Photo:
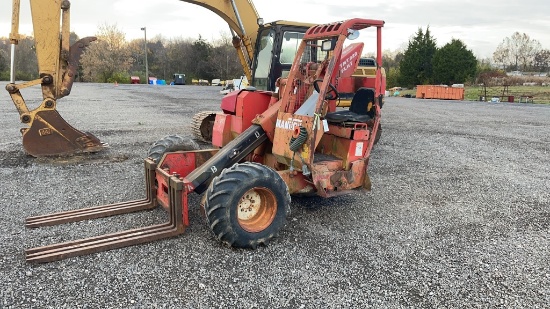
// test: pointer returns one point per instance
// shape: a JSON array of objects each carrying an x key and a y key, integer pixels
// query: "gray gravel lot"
[{"x": 458, "y": 216}]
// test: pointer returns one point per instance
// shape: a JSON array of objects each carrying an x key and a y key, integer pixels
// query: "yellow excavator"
[
  {"x": 266, "y": 52},
  {"x": 48, "y": 134}
]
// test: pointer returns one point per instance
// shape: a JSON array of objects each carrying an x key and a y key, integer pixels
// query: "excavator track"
[
  {"x": 175, "y": 226},
  {"x": 202, "y": 125}
]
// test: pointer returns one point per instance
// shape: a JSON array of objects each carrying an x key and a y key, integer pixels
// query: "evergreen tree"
[
  {"x": 454, "y": 64},
  {"x": 416, "y": 66}
]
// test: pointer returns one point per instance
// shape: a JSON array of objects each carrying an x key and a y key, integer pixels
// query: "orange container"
[{"x": 439, "y": 92}]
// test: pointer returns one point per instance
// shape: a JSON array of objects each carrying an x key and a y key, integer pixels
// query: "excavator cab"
[{"x": 276, "y": 46}]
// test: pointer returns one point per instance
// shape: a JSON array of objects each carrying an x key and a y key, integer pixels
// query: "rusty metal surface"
[
  {"x": 331, "y": 180},
  {"x": 89, "y": 213},
  {"x": 296, "y": 182},
  {"x": 175, "y": 226},
  {"x": 180, "y": 163},
  {"x": 50, "y": 135},
  {"x": 73, "y": 62},
  {"x": 101, "y": 211}
]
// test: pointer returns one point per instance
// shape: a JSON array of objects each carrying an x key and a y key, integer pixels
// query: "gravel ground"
[{"x": 458, "y": 216}]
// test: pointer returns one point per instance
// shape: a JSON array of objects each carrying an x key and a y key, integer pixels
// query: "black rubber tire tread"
[
  {"x": 197, "y": 125},
  {"x": 378, "y": 134},
  {"x": 226, "y": 190},
  {"x": 171, "y": 143}
]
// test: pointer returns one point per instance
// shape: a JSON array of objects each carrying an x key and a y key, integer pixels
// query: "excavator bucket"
[
  {"x": 174, "y": 226},
  {"x": 50, "y": 135}
]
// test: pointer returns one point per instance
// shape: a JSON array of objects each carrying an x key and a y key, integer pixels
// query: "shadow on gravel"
[
  {"x": 21, "y": 159},
  {"x": 112, "y": 132},
  {"x": 316, "y": 203},
  {"x": 15, "y": 159},
  {"x": 87, "y": 158}
]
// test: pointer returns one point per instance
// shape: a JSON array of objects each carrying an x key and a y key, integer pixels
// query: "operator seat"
[{"x": 358, "y": 110}]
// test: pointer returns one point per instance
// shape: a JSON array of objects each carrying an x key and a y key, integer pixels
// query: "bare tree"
[
  {"x": 501, "y": 56},
  {"x": 224, "y": 39},
  {"x": 517, "y": 51},
  {"x": 224, "y": 58},
  {"x": 135, "y": 47},
  {"x": 157, "y": 58},
  {"x": 178, "y": 52},
  {"x": 26, "y": 63},
  {"x": 109, "y": 58}
]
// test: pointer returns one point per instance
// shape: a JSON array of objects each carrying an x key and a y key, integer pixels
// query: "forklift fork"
[{"x": 175, "y": 226}]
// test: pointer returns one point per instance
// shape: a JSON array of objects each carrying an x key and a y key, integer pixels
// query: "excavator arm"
[
  {"x": 48, "y": 133},
  {"x": 242, "y": 18}
]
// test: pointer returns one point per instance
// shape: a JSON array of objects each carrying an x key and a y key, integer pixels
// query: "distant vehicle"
[
  {"x": 179, "y": 79},
  {"x": 235, "y": 84},
  {"x": 367, "y": 62},
  {"x": 200, "y": 82}
]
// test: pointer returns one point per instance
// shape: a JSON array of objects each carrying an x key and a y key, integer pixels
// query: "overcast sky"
[{"x": 480, "y": 24}]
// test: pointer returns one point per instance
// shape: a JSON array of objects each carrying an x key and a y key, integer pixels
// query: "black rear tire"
[
  {"x": 247, "y": 205},
  {"x": 171, "y": 143},
  {"x": 378, "y": 134}
]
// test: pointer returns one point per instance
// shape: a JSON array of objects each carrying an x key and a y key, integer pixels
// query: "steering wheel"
[{"x": 332, "y": 93}]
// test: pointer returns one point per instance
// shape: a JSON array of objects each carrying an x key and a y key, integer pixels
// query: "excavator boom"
[{"x": 242, "y": 18}]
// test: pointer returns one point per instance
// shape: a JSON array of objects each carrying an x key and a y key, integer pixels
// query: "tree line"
[
  {"x": 424, "y": 63},
  {"x": 112, "y": 58}
]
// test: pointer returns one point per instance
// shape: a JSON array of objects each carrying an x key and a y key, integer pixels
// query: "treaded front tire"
[
  {"x": 247, "y": 205},
  {"x": 171, "y": 143}
]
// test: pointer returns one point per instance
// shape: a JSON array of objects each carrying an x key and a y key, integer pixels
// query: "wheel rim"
[{"x": 256, "y": 209}]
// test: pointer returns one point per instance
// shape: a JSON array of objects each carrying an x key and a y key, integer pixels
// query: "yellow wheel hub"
[{"x": 256, "y": 209}]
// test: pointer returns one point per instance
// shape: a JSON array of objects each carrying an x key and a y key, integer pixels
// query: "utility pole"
[{"x": 146, "y": 63}]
